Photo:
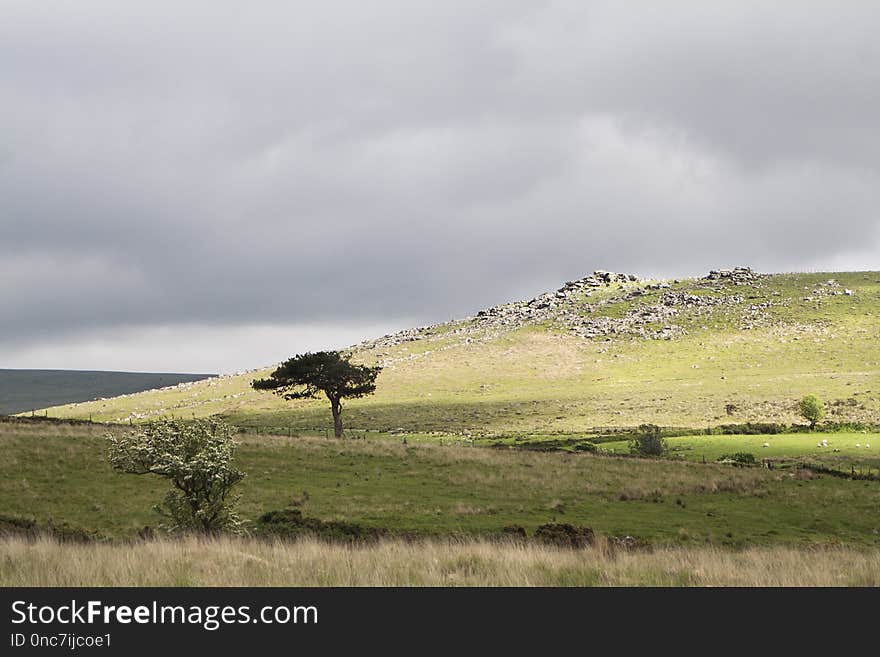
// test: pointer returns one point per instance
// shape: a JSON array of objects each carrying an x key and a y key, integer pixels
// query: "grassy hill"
[
  {"x": 604, "y": 351},
  {"x": 25, "y": 390}
]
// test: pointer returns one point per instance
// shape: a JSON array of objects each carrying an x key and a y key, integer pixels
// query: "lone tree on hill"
[
  {"x": 812, "y": 410},
  {"x": 307, "y": 375}
]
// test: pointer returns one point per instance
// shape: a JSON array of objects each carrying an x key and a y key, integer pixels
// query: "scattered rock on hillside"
[
  {"x": 737, "y": 275},
  {"x": 511, "y": 316},
  {"x": 829, "y": 288},
  {"x": 394, "y": 339},
  {"x": 648, "y": 321},
  {"x": 569, "y": 307},
  {"x": 540, "y": 308}
]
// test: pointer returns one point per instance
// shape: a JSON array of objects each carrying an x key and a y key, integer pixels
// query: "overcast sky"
[{"x": 213, "y": 186}]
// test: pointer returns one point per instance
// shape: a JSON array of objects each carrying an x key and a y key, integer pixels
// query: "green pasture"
[
  {"x": 856, "y": 447},
  {"x": 60, "y": 474}
]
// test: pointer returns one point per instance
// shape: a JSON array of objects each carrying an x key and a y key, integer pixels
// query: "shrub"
[
  {"x": 29, "y": 528},
  {"x": 812, "y": 409},
  {"x": 851, "y": 426},
  {"x": 743, "y": 458},
  {"x": 196, "y": 458},
  {"x": 291, "y": 523},
  {"x": 514, "y": 532},
  {"x": 750, "y": 428},
  {"x": 648, "y": 441},
  {"x": 565, "y": 535}
]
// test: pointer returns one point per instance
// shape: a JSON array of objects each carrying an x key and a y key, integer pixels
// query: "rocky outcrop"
[
  {"x": 394, "y": 339},
  {"x": 571, "y": 307},
  {"x": 541, "y": 307},
  {"x": 644, "y": 320},
  {"x": 737, "y": 276}
]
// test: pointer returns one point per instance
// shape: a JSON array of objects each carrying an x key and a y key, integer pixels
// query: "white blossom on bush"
[{"x": 195, "y": 457}]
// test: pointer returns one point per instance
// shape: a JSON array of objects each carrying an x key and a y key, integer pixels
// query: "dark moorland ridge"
[{"x": 23, "y": 390}]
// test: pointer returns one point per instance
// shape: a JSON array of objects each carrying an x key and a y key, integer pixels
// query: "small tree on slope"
[
  {"x": 307, "y": 375},
  {"x": 812, "y": 410},
  {"x": 648, "y": 441}
]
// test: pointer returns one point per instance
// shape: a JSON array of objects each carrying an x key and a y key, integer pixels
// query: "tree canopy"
[
  {"x": 329, "y": 372},
  {"x": 812, "y": 409}
]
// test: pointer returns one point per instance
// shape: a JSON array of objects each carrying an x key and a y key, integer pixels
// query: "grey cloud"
[
  {"x": 763, "y": 82},
  {"x": 338, "y": 161}
]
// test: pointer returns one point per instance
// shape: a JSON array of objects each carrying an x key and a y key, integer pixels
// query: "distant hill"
[
  {"x": 24, "y": 390},
  {"x": 607, "y": 350}
]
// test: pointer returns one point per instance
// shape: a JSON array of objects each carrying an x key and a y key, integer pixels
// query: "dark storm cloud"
[{"x": 207, "y": 162}]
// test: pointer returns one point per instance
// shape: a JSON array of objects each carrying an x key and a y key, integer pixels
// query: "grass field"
[
  {"x": 850, "y": 448},
  {"x": 241, "y": 562},
  {"x": 59, "y": 473}
]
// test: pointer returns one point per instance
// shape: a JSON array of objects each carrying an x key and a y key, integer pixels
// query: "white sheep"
[
  {"x": 858, "y": 444},
  {"x": 766, "y": 445}
]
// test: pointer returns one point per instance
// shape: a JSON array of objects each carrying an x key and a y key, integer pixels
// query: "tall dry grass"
[{"x": 245, "y": 562}]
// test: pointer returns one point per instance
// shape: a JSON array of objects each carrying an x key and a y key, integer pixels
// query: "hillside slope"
[
  {"x": 606, "y": 350},
  {"x": 24, "y": 390}
]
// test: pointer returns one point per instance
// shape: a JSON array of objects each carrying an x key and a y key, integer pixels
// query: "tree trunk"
[{"x": 336, "y": 408}]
